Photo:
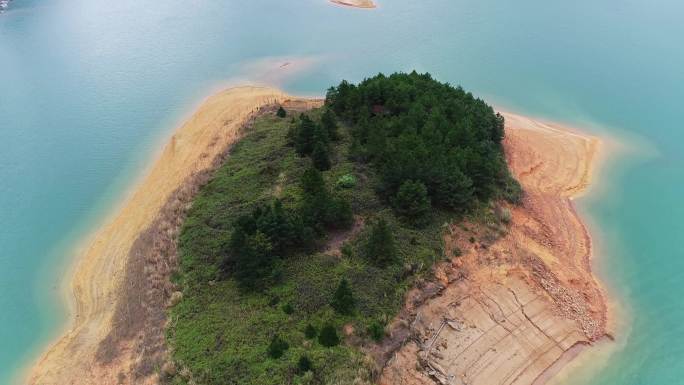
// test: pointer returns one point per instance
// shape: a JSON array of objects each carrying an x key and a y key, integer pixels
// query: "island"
[
  {"x": 398, "y": 231},
  {"x": 355, "y": 3}
]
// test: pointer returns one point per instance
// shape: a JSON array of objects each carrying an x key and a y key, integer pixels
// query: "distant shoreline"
[{"x": 355, "y": 3}]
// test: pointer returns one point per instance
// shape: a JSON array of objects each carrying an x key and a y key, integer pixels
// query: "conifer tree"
[
  {"x": 304, "y": 364},
  {"x": 381, "y": 247},
  {"x": 310, "y": 332},
  {"x": 304, "y": 138},
  {"x": 412, "y": 202},
  {"x": 277, "y": 347},
  {"x": 320, "y": 156},
  {"x": 329, "y": 122},
  {"x": 328, "y": 336},
  {"x": 343, "y": 301}
]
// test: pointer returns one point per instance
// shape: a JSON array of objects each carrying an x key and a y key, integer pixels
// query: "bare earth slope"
[
  {"x": 103, "y": 344},
  {"x": 512, "y": 310}
]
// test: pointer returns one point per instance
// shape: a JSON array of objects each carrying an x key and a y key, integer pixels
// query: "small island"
[
  {"x": 398, "y": 231},
  {"x": 319, "y": 224},
  {"x": 355, "y": 3}
]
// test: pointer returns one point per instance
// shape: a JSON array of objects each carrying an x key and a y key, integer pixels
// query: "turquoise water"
[{"x": 89, "y": 88}]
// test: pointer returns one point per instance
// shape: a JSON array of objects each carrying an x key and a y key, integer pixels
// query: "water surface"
[{"x": 90, "y": 88}]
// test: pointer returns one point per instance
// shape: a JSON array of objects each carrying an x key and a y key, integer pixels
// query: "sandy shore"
[
  {"x": 77, "y": 357},
  {"x": 355, "y": 3},
  {"x": 520, "y": 302}
]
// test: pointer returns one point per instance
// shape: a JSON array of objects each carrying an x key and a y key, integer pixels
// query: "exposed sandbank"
[
  {"x": 98, "y": 279},
  {"x": 355, "y": 3},
  {"x": 513, "y": 308}
]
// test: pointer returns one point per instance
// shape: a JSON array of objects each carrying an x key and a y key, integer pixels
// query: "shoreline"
[
  {"x": 79, "y": 349},
  {"x": 95, "y": 275}
]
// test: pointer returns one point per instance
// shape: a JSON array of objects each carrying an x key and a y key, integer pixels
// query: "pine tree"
[
  {"x": 305, "y": 133},
  {"x": 339, "y": 213},
  {"x": 304, "y": 365},
  {"x": 381, "y": 247},
  {"x": 376, "y": 331},
  {"x": 412, "y": 202},
  {"x": 277, "y": 347},
  {"x": 310, "y": 332},
  {"x": 320, "y": 156},
  {"x": 253, "y": 259},
  {"x": 312, "y": 183},
  {"x": 329, "y": 122},
  {"x": 328, "y": 336},
  {"x": 343, "y": 301},
  {"x": 281, "y": 112},
  {"x": 455, "y": 191}
]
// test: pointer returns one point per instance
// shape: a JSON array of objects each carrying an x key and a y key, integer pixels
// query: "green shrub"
[
  {"x": 346, "y": 181},
  {"x": 277, "y": 347},
  {"x": 281, "y": 112},
  {"x": 347, "y": 250},
  {"x": 288, "y": 309},
  {"x": 310, "y": 332},
  {"x": 306, "y": 379},
  {"x": 455, "y": 190},
  {"x": 506, "y": 216},
  {"x": 411, "y": 202},
  {"x": 343, "y": 301},
  {"x": 329, "y": 123},
  {"x": 381, "y": 247},
  {"x": 512, "y": 191},
  {"x": 319, "y": 208},
  {"x": 320, "y": 156},
  {"x": 304, "y": 365},
  {"x": 328, "y": 336},
  {"x": 376, "y": 330}
]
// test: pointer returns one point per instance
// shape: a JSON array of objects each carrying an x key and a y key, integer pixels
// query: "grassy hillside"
[{"x": 226, "y": 332}]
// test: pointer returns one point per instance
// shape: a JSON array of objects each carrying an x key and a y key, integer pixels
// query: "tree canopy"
[
  {"x": 412, "y": 201},
  {"x": 381, "y": 247},
  {"x": 412, "y": 127},
  {"x": 343, "y": 301}
]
